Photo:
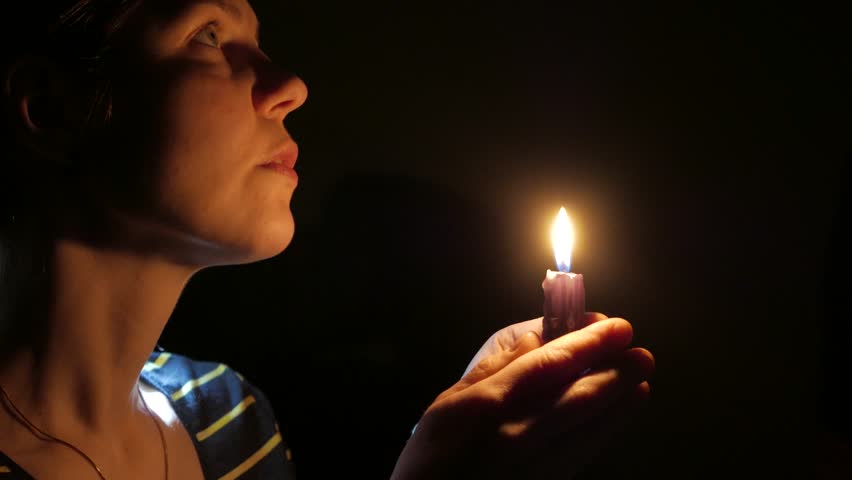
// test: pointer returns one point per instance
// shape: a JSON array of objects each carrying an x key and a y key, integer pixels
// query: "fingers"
[
  {"x": 594, "y": 393},
  {"x": 515, "y": 330},
  {"x": 507, "y": 337},
  {"x": 565, "y": 457},
  {"x": 523, "y": 344},
  {"x": 504, "y": 339},
  {"x": 613, "y": 421},
  {"x": 562, "y": 359},
  {"x": 583, "y": 402},
  {"x": 495, "y": 362}
]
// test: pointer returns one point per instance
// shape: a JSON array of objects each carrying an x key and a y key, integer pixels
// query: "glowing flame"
[{"x": 562, "y": 236}]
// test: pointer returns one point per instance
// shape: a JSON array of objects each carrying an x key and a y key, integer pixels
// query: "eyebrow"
[{"x": 231, "y": 10}]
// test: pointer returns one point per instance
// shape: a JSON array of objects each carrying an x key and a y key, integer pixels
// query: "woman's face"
[{"x": 198, "y": 110}]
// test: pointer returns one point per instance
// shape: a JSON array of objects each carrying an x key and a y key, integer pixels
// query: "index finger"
[
  {"x": 594, "y": 317},
  {"x": 507, "y": 337},
  {"x": 563, "y": 359}
]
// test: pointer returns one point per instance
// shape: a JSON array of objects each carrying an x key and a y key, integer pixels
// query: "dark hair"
[{"x": 79, "y": 37}]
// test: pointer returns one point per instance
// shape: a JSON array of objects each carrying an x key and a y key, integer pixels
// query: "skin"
[
  {"x": 530, "y": 410},
  {"x": 175, "y": 186},
  {"x": 188, "y": 194}
]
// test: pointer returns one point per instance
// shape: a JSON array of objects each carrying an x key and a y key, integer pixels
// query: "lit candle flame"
[{"x": 562, "y": 236}]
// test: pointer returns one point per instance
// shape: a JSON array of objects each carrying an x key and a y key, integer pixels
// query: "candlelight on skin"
[{"x": 564, "y": 292}]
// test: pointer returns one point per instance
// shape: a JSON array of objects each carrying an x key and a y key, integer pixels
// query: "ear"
[{"x": 37, "y": 94}]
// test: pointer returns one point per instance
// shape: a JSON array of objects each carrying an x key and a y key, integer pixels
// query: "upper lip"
[{"x": 285, "y": 154}]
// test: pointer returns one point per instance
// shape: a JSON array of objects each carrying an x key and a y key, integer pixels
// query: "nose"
[{"x": 277, "y": 92}]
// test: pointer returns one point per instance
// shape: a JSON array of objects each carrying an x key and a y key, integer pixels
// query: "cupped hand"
[{"x": 527, "y": 410}]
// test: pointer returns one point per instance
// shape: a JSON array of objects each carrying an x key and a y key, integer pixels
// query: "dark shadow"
[
  {"x": 835, "y": 416},
  {"x": 364, "y": 319}
]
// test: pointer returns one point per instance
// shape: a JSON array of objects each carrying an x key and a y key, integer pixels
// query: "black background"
[{"x": 701, "y": 149}]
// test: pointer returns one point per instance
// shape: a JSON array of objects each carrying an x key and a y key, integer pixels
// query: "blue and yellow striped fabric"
[{"x": 231, "y": 422}]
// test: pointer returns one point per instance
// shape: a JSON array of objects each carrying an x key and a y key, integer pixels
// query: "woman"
[{"x": 148, "y": 143}]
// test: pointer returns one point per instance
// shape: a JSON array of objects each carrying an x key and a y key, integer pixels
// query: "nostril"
[{"x": 279, "y": 93}]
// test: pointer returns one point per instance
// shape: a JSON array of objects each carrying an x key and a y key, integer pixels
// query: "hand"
[{"x": 526, "y": 410}]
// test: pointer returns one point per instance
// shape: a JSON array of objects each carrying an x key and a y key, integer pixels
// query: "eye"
[{"x": 209, "y": 35}]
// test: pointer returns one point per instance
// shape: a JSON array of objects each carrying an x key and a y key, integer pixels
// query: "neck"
[{"x": 104, "y": 312}]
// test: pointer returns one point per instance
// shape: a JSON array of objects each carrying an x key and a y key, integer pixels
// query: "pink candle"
[{"x": 564, "y": 292}]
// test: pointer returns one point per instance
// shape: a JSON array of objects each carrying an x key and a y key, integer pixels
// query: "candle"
[{"x": 564, "y": 293}]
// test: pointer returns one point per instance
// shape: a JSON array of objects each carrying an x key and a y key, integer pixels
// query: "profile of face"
[{"x": 197, "y": 117}]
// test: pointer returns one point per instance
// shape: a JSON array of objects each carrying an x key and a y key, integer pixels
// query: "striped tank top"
[{"x": 231, "y": 422}]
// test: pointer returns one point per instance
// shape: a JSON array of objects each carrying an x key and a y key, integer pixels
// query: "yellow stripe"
[
  {"x": 5, "y": 470},
  {"x": 218, "y": 424},
  {"x": 253, "y": 459},
  {"x": 192, "y": 384},
  {"x": 159, "y": 362}
]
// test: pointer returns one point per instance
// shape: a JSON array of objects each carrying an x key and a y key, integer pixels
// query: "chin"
[
  {"x": 271, "y": 242},
  {"x": 253, "y": 240}
]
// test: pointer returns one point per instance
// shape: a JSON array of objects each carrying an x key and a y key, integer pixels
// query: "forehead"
[{"x": 240, "y": 10}]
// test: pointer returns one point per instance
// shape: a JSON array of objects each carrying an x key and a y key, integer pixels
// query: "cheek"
[
  {"x": 210, "y": 132},
  {"x": 200, "y": 147},
  {"x": 207, "y": 167},
  {"x": 176, "y": 125}
]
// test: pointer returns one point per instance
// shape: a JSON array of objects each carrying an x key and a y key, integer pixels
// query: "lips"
[
  {"x": 282, "y": 169},
  {"x": 284, "y": 156}
]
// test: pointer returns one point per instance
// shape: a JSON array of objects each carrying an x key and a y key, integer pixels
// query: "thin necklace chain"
[{"x": 42, "y": 435}]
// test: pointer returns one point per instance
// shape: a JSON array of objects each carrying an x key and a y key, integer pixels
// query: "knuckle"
[
  {"x": 550, "y": 357},
  {"x": 597, "y": 338},
  {"x": 591, "y": 388},
  {"x": 494, "y": 398},
  {"x": 553, "y": 358},
  {"x": 511, "y": 432},
  {"x": 484, "y": 367},
  {"x": 487, "y": 399},
  {"x": 583, "y": 392}
]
